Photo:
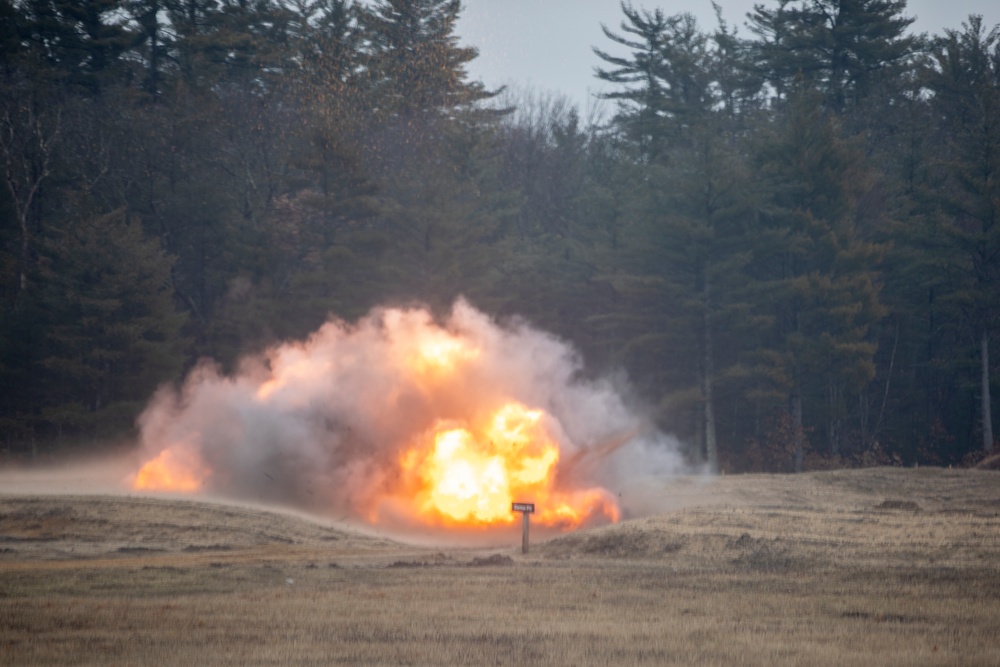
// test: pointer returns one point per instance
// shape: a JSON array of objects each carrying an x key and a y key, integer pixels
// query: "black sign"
[{"x": 527, "y": 508}]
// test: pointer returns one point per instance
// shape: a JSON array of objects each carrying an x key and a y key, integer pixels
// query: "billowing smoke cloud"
[{"x": 340, "y": 422}]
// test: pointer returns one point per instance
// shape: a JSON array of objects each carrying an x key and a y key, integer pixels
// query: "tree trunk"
[
  {"x": 711, "y": 446},
  {"x": 25, "y": 252},
  {"x": 984, "y": 360},
  {"x": 796, "y": 401},
  {"x": 27, "y": 147},
  {"x": 833, "y": 425}
]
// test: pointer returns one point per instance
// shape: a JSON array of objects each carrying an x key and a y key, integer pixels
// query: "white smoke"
[{"x": 322, "y": 424}]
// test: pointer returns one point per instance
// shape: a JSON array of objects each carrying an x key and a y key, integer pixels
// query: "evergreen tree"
[
  {"x": 839, "y": 47},
  {"x": 416, "y": 67},
  {"x": 154, "y": 42},
  {"x": 97, "y": 40},
  {"x": 815, "y": 273},
  {"x": 677, "y": 269},
  {"x": 431, "y": 152},
  {"x": 966, "y": 222},
  {"x": 112, "y": 332},
  {"x": 642, "y": 93}
]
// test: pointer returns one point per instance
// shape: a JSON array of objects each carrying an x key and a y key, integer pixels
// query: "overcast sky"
[{"x": 546, "y": 45}]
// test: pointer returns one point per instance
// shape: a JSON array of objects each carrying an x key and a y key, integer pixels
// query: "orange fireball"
[
  {"x": 461, "y": 476},
  {"x": 402, "y": 420},
  {"x": 177, "y": 469}
]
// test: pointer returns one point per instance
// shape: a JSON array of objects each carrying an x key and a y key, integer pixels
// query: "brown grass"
[{"x": 883, "y": 566}]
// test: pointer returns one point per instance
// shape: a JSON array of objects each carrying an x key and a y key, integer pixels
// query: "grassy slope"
[{"x": 882, "y": 566}]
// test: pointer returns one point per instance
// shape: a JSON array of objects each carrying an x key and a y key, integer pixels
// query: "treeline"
[{"x": 789, "y": 239}]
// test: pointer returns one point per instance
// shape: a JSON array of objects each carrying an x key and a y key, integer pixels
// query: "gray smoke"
[{"x": 322, "y": 424}]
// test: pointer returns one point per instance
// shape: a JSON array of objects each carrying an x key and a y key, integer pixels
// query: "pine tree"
[
  {"x": 966, "y": 223},
  {"x": 839, "y": 47},
  {"x": 154, "y": 42},
  {"x": 814, "y": 272},
  {"x": 416, "y": 67},
  {"x": 112, "y": 333},
  {"x": 94, "y": 55},
  {"x": 430, "y": 151},
  {"x": 676, "y": 269},
  {"x": 641, "y": 93}
]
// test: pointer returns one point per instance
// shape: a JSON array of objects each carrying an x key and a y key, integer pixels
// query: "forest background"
[{"x": 789, "y": 242}]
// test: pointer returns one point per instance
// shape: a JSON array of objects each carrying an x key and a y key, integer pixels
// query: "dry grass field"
[{"x": 865, "y": 567}]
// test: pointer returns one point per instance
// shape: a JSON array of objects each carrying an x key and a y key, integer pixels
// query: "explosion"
[
  {"x": 400, "y": 421},
  {"x": 471, "y": 477},
  {"x": 176, "y": 468}
]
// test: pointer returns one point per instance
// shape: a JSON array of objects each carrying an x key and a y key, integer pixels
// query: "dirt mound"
[
  {"x": 760, "y": 554},
  {"x": 57, "y": 527},
  {"x": 906, "y": 505},
  {"x": 630, "y": 540},
  {"x": 756, "y": 522},
  {"x": 783, "y": 523},
  {"x": 989, "y": 463},
  {"x": 489, "y": 561}
]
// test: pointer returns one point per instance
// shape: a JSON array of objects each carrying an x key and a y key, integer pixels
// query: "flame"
[
  {"x": 470, "y": 477},
  {"x": 396, "y": 419},
  {"x": 430, "y": 354},
  {"x": 176, "y": 469}
]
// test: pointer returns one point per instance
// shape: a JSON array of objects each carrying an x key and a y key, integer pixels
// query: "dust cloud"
[{"x": 343, "y": 423}]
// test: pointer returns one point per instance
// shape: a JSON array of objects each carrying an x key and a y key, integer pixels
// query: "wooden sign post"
[{"x": 525, "y": 509}]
